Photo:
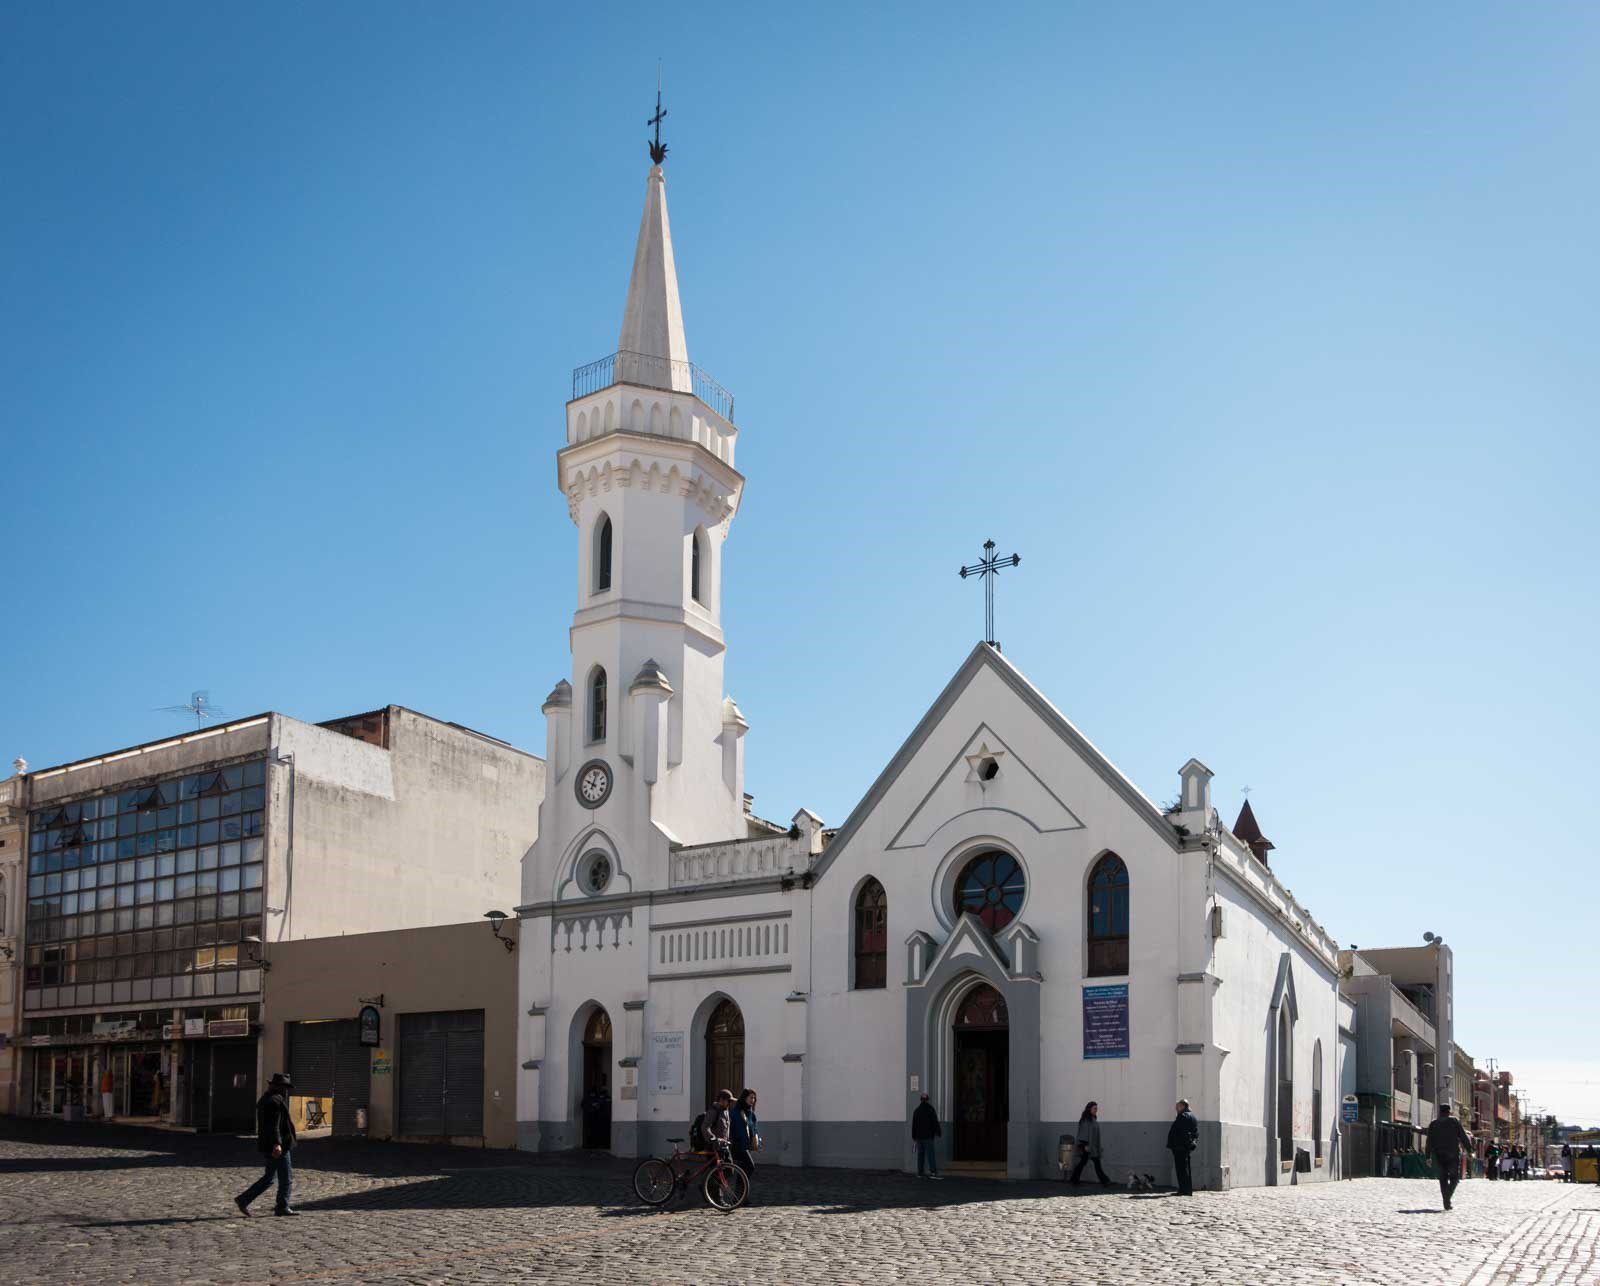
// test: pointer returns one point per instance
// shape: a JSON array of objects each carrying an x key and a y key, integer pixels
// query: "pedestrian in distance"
[
  {"x": 742, "y": 1136},
  {"x": 275, "y": 1141},
  {"x": 1594, "y": 1160},
  {"x": 1566, "y": 1163},
  {"x": 924, "y": 1130},
  {"x": 1183, "y": 1136},
  {"x": 108, "y": 1084},
  {"x": 1089, "y": 1143},
  {"x": 1446, "y": 1141}
]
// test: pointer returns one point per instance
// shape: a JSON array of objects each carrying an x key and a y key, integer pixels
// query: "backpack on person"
[{"x": 697, "y": 1135}]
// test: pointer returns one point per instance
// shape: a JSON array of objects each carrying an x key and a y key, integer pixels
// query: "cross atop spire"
[{"x": 658, "y": 149}]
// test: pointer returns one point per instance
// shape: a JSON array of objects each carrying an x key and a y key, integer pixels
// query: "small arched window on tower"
[
  {"x": 597, "y": 705},
  {"x": 602, "y": 555},
  {"x": 872, "y": 937},
  {"x": 1108, "y": 917},
  {"x": 696, "y": 559}
]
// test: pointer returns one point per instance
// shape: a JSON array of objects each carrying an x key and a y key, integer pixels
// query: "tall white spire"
[{"x": 652, "y": 347}]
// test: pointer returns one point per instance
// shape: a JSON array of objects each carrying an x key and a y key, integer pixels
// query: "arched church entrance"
[
  {"x": 596, "y": 1102},
  {"x": 724, "y": 1050},
  {"x": 981, "y": 1105}
]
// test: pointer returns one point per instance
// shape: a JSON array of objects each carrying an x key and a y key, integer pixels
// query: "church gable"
[
  {"x": 1002, "y": 779},
  {"x": 990, "y": 743}
]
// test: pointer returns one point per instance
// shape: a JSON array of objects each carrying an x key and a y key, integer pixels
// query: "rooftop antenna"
[{"x": 199, "y": 705}]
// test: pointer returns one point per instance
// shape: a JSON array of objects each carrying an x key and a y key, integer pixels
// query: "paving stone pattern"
[{"x": 83, "y": 1203}]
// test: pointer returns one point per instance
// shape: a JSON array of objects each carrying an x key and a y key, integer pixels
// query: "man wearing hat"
[{"x": 275, "y": 1139}]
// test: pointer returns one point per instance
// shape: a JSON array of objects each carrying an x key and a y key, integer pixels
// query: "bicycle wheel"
[
  {"x": 653, "y": 1181},
  {"x": 726, "y": 1187}
]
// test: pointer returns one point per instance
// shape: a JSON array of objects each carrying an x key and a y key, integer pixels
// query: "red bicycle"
[{"x": 658, "y": 1179}]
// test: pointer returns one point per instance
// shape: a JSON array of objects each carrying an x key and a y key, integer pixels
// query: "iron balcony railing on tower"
[{"x": 652, "y": 372}]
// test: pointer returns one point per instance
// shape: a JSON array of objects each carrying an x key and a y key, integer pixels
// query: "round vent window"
[{"x": 594, "y": 872}]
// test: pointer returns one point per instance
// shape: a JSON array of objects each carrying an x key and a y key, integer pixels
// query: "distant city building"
[
  {"x": 1405, "y": 1065},
  {"x": 13, "y": 905},
  {"x": 160, "y": 877}
]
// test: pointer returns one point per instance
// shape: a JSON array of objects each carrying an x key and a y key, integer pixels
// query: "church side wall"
[{"x": 1247, "y": 961}]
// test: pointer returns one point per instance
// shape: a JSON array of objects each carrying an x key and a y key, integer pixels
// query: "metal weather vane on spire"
[{"x": 658, "y": 149}]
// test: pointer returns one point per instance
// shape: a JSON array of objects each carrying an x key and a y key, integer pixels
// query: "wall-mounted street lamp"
[
  {"x": 258, "y": 952},
  {"x": 496, "y": 919}
]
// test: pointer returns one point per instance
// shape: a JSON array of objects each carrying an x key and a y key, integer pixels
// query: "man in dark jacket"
[
  {"x": 1183, "y": 1135},
  {"x": 924, "y": 1130},
  {"x": 274, "y": 1140},
  {"x": 1446, "y": 1139}
]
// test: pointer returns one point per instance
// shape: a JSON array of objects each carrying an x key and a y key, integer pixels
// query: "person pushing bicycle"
[{"x": 717, "y": 1126}]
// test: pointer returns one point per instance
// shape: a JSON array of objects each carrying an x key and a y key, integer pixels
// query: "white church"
[{"x": 1004, "y": 921}]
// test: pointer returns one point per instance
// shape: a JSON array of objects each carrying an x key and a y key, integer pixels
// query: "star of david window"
[{"x": 991, "y": 886}]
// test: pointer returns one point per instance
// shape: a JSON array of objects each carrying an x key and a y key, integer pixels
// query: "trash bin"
[
  {"x": 1302, "y": 1161},
  {"x": 361, "y": 1120},
  {"x": 1064, "y": 1152}
]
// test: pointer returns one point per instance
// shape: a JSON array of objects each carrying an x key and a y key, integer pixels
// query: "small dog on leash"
[{"x": 1142, "y": 1183}]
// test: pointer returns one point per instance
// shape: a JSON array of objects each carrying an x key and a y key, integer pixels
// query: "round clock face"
[{"x": 594, "y": 783}]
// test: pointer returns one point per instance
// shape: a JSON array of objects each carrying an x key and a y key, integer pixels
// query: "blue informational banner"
[
  {"x": 1350, "y": 1109},
  {"x": 1105, "y": 1021}
]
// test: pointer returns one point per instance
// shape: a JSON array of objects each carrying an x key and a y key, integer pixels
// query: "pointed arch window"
[
  {"x": 1108, "y": 917},
  {"x": 1316, "y": 1099},
  {"x": 872, "y": 937},
  {"x": 602, "y": 554},
  {"x": 696, "y": 577},
  {"x": 597, "y": 705},
  {"x": 1285, "y": 1086}
]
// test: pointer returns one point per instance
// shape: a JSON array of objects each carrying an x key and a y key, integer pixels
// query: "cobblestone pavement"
[{"x": 86, "y": 1204}]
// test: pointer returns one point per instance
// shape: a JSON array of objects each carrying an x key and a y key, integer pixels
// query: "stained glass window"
[{"x": 992, "y": 887}]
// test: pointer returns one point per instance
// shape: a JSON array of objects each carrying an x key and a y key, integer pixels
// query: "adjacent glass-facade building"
[{"x": 148, "y": 894}]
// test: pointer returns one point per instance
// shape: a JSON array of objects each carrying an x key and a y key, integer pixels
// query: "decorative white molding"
[
  {"x": 743, "y": 859},
  {"x": 594, "y": 931}
]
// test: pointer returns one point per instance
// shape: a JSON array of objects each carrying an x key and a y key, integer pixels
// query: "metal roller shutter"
[
  {"x": 463, "y": 1082},
  {"x": 421, "y": 1080},
  {"x": 311, "y": 1058},
  {"x": 352, "y": 1074},
  {"x": 441, "y": 1074}
]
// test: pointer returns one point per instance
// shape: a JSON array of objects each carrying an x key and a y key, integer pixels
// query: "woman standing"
[
  {"x": 742, "y": 1136},
  {"x": 1089, "y": 1143}
]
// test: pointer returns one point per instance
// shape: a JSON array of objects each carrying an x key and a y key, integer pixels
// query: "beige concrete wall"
[
  {"x": 432, "y": 830},
  {"x": 426, "y": 970}
]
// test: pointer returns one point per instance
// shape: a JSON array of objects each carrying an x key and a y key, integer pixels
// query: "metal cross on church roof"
[
  {"x": 658, "y": 149},
  {"x": 988, "y": 569}
]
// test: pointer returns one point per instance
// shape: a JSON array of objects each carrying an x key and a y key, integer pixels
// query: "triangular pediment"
[
  {"x": 970, "y": 940},
  {"x": 925, "y": 785},
  {"x": 963, "y": 787}
]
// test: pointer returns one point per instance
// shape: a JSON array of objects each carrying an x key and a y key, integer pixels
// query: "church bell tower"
[{"x": 644, "y": 727}]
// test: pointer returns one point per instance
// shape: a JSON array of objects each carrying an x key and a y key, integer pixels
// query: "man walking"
[
  {"x": 924, "y": 1130},
  {"x": 1446, "y": 1139},
  {"x": 1182, "y": 1137},
  {"x": 274, "y": 1140}
]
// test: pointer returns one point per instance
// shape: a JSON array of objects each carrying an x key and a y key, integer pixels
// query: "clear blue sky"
[{"x": 1268, "y": 336}]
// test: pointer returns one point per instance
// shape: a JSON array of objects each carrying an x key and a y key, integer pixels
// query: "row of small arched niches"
[{"x": 664, "y": 421}]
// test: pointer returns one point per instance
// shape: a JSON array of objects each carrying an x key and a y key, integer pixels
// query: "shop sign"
[
  {"x": 112, "y": 1028},
  {"x": 171, "y": 1031},
  {"x": 220, "y": 1027},
  {"x": 371, "y": 1024},
  {"x": 382, "y": 1062},
  {"x": 194, "y": 1027},
  {"x": 5, "y": 1039},
  {"x": 39, "y": 1040}
]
